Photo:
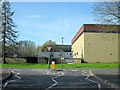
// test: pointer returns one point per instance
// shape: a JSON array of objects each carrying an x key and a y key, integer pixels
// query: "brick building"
[{"x": 96, "y": 43}]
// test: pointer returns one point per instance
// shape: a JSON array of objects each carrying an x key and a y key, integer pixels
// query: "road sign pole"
[
  {"x": 48, "y": 63},
  {"x": 49, "y": 49}
]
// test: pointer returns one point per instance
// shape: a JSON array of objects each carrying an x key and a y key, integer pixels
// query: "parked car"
[{"x": 69, "y": 61}]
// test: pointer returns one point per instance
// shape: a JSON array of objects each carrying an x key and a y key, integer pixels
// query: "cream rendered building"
[{"x": 96, "y": 43}]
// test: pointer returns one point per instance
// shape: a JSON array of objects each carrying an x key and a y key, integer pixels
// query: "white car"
[{"x": 69, "y": 61}]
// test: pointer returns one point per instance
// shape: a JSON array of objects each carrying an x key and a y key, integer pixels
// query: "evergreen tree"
[{"x": 9, "y": 35}]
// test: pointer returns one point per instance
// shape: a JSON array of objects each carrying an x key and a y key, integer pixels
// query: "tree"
[
  {"x": 27, "y": 49},
  {"x": 107, "y": 12},
  {"x": 47, "y": 43},
  {"x": 0, "y": 34},
  {"x": 0, "y": 49},
  {"x": 9, "y": 35}
]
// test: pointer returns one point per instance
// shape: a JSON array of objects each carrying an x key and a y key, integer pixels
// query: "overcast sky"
[{"x": 43, "y": 21}]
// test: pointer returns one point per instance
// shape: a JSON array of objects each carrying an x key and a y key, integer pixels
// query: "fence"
[{"x": 55, "y": 54}]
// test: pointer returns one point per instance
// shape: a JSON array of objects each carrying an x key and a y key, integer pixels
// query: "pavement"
[{"x": 74, "y": 79}]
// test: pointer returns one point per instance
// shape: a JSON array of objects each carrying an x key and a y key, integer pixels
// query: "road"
[{"x": 38, "y": 79}]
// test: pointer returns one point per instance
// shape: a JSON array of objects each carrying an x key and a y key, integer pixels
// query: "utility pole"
[{"x": 62, "y": 53}]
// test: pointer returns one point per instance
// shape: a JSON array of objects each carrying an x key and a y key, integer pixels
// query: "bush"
[
  {"x": 31, "y": 59},
  {"x": 16, "y": 60}
]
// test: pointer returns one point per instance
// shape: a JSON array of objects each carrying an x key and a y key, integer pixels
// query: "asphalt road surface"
[{"x": 44, "y": 79}]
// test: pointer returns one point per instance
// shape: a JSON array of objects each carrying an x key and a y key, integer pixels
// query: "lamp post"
[{"x": 62, "y": 53}]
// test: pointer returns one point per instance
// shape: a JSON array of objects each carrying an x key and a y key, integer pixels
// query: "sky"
[{"x": 43, "y": 21}]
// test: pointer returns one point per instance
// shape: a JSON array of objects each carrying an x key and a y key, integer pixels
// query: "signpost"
[
  {"x": 49, "y": 48},
  {"x": 62, "y": 61}
]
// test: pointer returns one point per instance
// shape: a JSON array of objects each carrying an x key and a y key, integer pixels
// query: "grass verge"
[{"x": 80, "y": 65}]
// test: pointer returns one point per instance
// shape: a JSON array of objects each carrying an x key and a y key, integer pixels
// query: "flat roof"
[{"x": 95, "y": 28}]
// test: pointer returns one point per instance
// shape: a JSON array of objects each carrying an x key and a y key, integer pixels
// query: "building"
[
  {"x": 62, "y": 54},
  {"x": 58, "y": 51},
  {"x": 61, "y": 48},
  {"x": 96, "y": 43}
]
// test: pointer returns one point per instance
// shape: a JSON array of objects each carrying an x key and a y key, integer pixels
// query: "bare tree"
[
  {"x": 107, "y": 12},
  {"x": 27, "y": 49}
]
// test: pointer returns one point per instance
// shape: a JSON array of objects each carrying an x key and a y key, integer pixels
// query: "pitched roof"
[
  {"x": 59, "y": 48},
  {"x": 95, "y": 28}
]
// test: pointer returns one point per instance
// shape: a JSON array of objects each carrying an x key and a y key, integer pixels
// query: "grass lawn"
[{"x": 76, "y": 66}]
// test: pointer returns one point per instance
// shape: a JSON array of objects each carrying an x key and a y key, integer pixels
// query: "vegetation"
[
  {"x": 9, "y": 35},
  {"x": 15, "y": 60},
  {"x": 27, "y": 49},
  {"x": 75, "y": 66},
  {"x": 107, "y": 12},
  {"x": 47, "y": 43}
]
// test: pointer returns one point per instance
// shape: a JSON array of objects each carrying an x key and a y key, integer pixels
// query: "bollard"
[{"x": 53, "y": 64}]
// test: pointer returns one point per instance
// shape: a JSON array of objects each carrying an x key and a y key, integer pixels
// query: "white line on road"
[
  {"x": 99, "y": 86},
  {"x": 84, "y": 72},
  {"x": 108, "y": 83},
  {"x": 12, "y": 80},
  {"x": 6, "y": 76},
  {"x": 53, "y": 79},
  {"x": 74, "y": 70},
  {"x": 18, "y": 76}
]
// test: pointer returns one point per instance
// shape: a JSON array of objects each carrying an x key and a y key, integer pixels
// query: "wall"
[
  {"x": 101, "y": 47},
  {"x": 55, "y": 54},
  {"x": 78, "y": 47}
]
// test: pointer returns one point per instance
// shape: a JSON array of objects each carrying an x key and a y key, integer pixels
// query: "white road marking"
[
  {"x": 99, "y": 86},
  {"x": 74, "y": 70},
  {"x": 91, "y": 74},
  {"x": 47, "y": 72},
  {"x": 84, "y": 72},
  {"x": 7, "y": 75},
  {"x": 108, "y": 83},
  {"x": 53, "y": 79},
  {"x": 18, "y": 76},
  {"x": 12, "y": 80}
]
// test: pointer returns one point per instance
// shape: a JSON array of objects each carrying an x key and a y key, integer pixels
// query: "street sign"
[{"x": 49, "y": 48}]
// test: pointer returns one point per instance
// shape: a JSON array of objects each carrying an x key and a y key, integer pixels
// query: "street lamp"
[{"x": 62, "y": 53}]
